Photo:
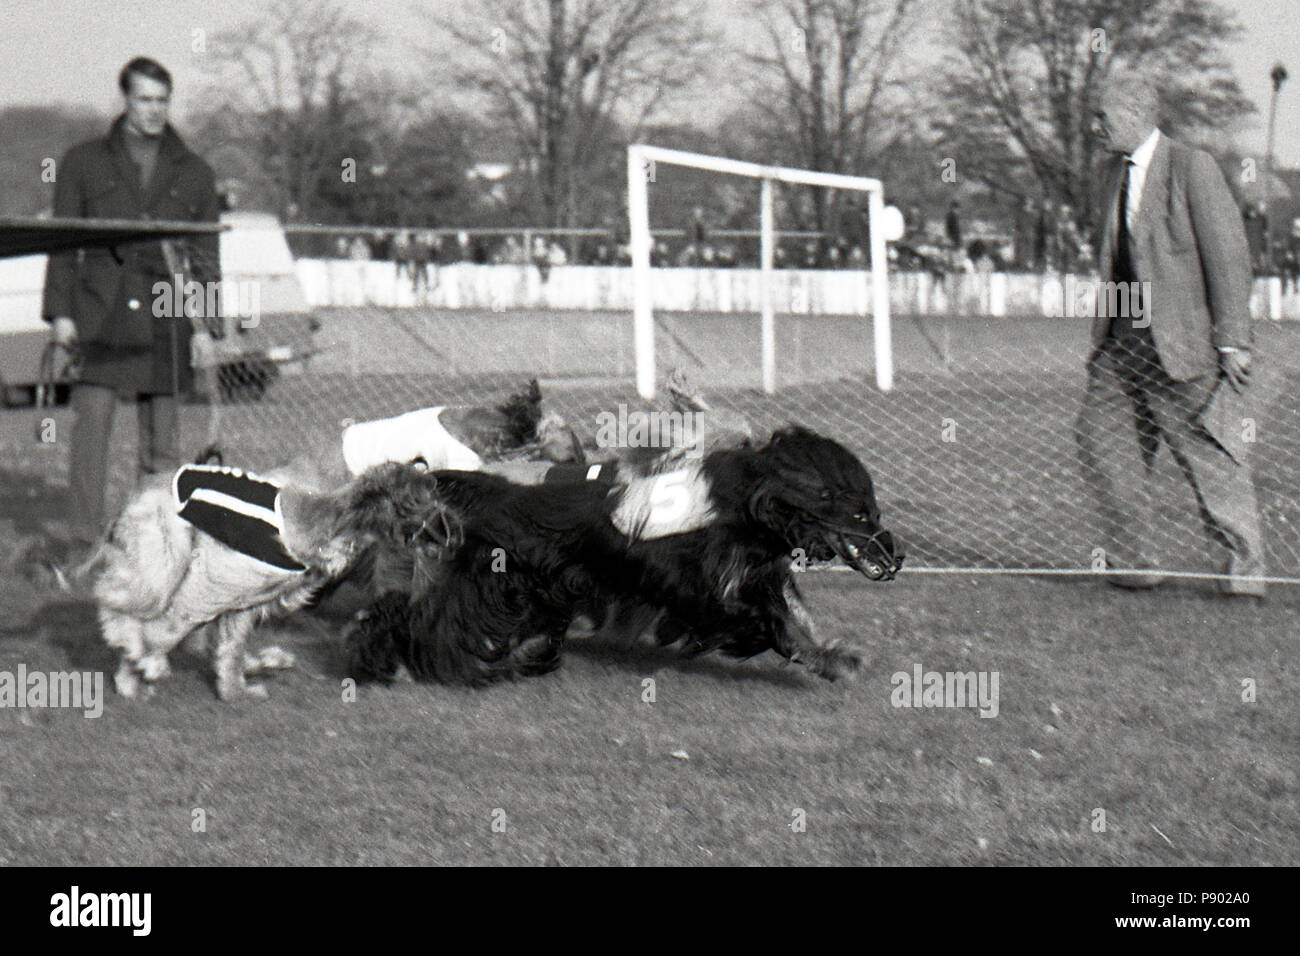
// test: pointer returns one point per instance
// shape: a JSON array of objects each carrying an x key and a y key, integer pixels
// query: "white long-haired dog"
[
  {"x": 163, "y": 576},
  {"x": 217, "y": 546}
]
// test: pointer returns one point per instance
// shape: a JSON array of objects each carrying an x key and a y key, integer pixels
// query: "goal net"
[{"x": 644, "y": 162}]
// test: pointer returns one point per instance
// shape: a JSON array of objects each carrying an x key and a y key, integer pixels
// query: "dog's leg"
[
  {"x": 828, "y": 660},
  {"x": 629, "y": 620},
  {"x": 127, "y": 635},
  {"x": 199, "y": 641},
  {"x": 375, "y": 636},
  {"x": 479, "y": 628},
  {"x": 232, "y": 636},
  {"x": 126, "y": 680}
]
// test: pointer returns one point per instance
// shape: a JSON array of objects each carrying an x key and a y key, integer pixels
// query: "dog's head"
[
  {"x": 818, "y": 497},
  {"x": 519, "y": 426}
]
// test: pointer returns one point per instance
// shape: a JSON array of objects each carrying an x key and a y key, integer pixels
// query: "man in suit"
[
  {"x": 1173, "y": 324},
  {"x": 103, "y": 300}
]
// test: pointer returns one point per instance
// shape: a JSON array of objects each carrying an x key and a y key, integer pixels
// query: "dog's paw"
[
  {"x": 272, "y": 658},
  {"x": 234, "y": 691},
  {"x": 833, "y": 663},
  {"x": 154, "y": 667},
  {"x": 127, "y": 682}
]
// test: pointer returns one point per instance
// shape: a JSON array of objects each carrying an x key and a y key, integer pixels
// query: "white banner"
[{"x": 462, "y": 285}]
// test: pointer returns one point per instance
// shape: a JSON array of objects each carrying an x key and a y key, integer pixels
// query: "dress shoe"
[
  {"x": 1240, "y": 571},
  {"x": 1139, "y": 579}
]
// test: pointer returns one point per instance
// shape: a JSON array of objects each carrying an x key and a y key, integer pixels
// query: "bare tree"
[
  {"x": 292, "y": 96},
  {"x": 1026, "y": 73},
  {"x": 828, "y": 83},
  {"x": 569, "y": 78},
  {"x": 35, "y": 137}
]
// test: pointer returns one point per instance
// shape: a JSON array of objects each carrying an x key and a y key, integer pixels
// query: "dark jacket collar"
[
  {"x": 171, "y": 146},
  {"x": 171, "y": 151}
]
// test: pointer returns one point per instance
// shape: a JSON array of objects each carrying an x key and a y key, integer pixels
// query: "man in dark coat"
[
  {"x": 105, "y": 301},
  {"x": 1173, "y": 348}
]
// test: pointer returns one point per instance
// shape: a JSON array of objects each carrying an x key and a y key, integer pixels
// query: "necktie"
[{"x": 1123, "y": 254}]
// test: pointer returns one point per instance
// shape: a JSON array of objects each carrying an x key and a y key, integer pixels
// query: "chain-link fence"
[{"x": 974, "y": 451}]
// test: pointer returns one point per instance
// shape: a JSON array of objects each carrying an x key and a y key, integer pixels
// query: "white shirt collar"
[{"x": 1141, "y": 157}]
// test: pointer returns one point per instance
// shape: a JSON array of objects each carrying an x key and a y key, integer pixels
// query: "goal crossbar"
[{"x": 641, "y": 159}]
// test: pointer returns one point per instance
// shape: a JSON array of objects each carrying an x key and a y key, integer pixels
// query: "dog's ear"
[
  {"x": 789, "y": 435},
  {"x": 764, "y": 507}
]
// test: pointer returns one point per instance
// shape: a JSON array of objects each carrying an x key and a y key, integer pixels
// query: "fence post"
[{"x": 766, "y": 256}]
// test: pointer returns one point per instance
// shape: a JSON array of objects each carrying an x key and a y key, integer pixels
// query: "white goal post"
[{"x": 641, "y": 160}]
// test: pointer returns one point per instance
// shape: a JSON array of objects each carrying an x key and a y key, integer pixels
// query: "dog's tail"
[{"x": 137, "y": 527}]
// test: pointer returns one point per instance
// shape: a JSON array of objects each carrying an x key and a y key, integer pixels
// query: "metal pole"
[
  {"x": 880, "y": 320},
  {"x": 1278, "y": 75},
  {"x": 638, "y": 214},
  {"x": 766, "y": 257}
]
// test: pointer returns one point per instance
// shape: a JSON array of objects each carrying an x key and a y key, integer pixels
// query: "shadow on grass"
[
  {"x": 72, "y": 627},
  {"x": 635, "y": 656},
  {"x": 1191, "y": 591},
  {"x": 30, "y": 500},
  {"x": 316, "y": 637}
]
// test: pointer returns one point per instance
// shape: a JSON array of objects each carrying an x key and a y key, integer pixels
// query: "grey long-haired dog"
[
  {"x": 162, "y": 574},
  {"x": 162, "y": 577}
]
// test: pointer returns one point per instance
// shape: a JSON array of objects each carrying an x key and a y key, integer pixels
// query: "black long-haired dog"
[{"x": 714, "y": 548}]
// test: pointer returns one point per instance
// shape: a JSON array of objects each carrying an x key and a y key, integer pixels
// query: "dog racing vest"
[
  {"x": 660, "y": 505},
  {"x": 240, "y": 510},
  {"x": 414, "y": 436}
]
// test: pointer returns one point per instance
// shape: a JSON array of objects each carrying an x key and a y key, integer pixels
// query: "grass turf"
[{"x": 1131, "y": 703}]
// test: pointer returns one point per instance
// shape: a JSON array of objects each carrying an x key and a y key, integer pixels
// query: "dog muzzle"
[{"x": 873, "y": 556}]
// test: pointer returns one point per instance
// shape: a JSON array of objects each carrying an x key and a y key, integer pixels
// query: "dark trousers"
[
  {"x": 94, "y": 407},
  {"x": 1130, "y": 407}
]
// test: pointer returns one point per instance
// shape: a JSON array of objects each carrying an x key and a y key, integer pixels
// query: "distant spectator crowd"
[
  {"x": 1270, "y": 256},
  {"x": 1043, "y": 237}
]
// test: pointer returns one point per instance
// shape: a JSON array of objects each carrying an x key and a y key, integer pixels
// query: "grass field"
[
  {"x": 1129, "y": 703},
  {"x": 1123, "y": 702}
]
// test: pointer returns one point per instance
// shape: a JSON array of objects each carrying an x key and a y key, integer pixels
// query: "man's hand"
[
  {"x": 1236, "y": 366},
  {"x": 64, "y": 331}
]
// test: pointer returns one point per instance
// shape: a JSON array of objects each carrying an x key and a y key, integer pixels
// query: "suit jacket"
[
  {"x": 109, "y": 293},
  {"x": 1189, "y": 243}
]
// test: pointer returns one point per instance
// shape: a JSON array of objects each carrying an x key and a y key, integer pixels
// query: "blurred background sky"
[{"x": 69, "y": 51}]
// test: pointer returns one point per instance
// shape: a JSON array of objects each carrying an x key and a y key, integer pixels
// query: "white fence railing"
[{"x": 345, "y": 282}]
